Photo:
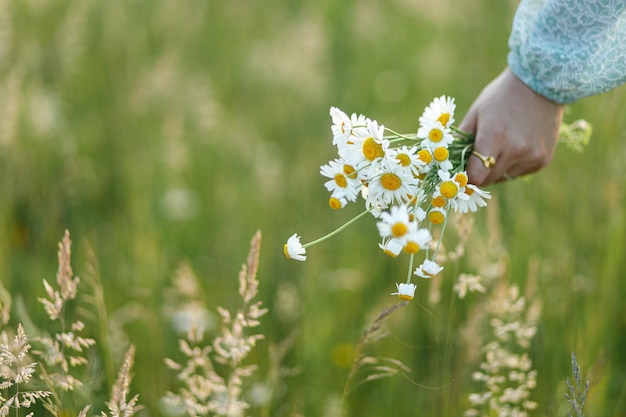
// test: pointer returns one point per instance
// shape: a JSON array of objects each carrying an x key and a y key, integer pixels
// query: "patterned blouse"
[{"x": 569, "y": 49}]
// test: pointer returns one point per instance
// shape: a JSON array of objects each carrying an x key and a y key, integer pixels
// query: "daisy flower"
[
  {"x": 476, "y": 198},
  {"x": 405, "y": 291},
  {"x": 396, "y": 224},
  {"x": 437, "y": 215},
  {"x": 441, "y": 154},
  {"x": 441, "y": 110},
  {"x": 343, "y": 182},
  {"x": 417, "y": 240},
  {"x": 344, "y": 126},
  {"x": 337, "y": 203},
  {"x": 428, "y": 269},
  {"x": 434, "y": 134},
  {"x": 391, "y": 247},
  {"x": 448, "y": 187},
  {"x": 407, "y": 158},
  {"x": 389, "y": 183},
  {"x": 294, "y": 249},
  {"x": 366, "y": 144}
]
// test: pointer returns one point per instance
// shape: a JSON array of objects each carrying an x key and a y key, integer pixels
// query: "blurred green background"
[{"x": 160, "y": 131}]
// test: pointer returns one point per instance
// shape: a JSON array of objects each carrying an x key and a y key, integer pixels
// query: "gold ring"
[{"x": 488, "y": 161}]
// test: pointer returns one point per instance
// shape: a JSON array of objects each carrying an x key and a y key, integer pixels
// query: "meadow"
[{"x": 164, "y": 134}]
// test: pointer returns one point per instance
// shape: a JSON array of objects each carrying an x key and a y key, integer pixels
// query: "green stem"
[
  {"x": 466, "y": 135},
  {"x": 400, "y": 135},
  {"x": 443, "y": 229},
  {"x": 336, "y": 231},
  {"x": 408, "y": 276}
]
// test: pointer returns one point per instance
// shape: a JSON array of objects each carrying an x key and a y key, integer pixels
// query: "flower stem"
[{"x": 337, "y": 230}]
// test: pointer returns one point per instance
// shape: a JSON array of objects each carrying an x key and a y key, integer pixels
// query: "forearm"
[{"x": 569, "y": 49}]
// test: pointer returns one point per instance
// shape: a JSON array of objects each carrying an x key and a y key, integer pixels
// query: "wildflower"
[
  {"x": 434, "y": 134},
  {"x": 437, "y": 215},
  {"x": 337, "y": 203},
  {"x": 396, "y": 224},
  {"x": 428, "y": 269},
  {"x": 405, "y": 291},
  {"x": 476, "y": 198},
  {"x": 344, "y": 126},
  {"x": 417, "y": 240},
  {"x": 407, "y": 158},
  {"x": 391, "y": 247},
  {"x": 343, "y": 183},
  {"x": 367, "y": 144},
  {"x": 441, "y": 155},
  {"x": 449, "y": 187},
  {"x": 389, "y": 183},
  {"x": 294, "y": 249},
  {"x": 441, "y": 110}
]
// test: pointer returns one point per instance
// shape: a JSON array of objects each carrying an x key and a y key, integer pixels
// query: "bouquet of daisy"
[{"x": 409, "y": 183}]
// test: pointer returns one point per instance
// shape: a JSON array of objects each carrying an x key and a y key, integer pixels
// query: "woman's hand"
[{"x": 513, "y": 124}]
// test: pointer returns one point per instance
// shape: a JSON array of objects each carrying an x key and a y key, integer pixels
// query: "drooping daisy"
[
  {"x": 405, "y": 291},
  {"x": 476, "y": 198},
  {"x": 391, "y": 247},
  {"x": 343, "y": 182},
  {"x": 441, "y": 154},
  {"x": 344, "y": 126},
  {"x": 437, "y": 200},
  {"x": 396, "y": 224},
  {"x": 389, "y": 183},
  {"x": 437, "y": 215},
  {"x": 337, "y": 203},
  {"x": 441, "y": 109},
  {"x": 366, "y": 144},
  {"x": 294, "y": 249},
  {"x": 417, "y": 240},
  {"x": 428, "y": 269},
  {"x": 434, "y": 134}
]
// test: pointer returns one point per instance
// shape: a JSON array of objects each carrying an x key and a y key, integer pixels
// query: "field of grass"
[{"x": 166, "y": 133}]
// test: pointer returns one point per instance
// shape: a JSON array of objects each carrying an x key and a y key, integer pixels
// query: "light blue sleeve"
[{"x": 569, "y": 49}]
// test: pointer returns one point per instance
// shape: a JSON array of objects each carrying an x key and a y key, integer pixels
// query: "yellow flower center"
[
  {"x": 438, "y": 201},
  {"x": 372, "y": 149},
  {"x": 286, "y": 251},
  {"x": 436, "y": 217},
  {"x": 469, "y": 191},
  {"x": 405, "y": 297},
  {"x": 435, "y": 135},
  {"x": 461, "y": 178},
  {"x": 404, "y": 159},
  {"x": 341, "y": 180},
  {"x": 448, "y": 189},
  {"x": 390, "y": 181},
  {"x": 390, "y": 253},
  {"x": 335, "y": 203},
  {"x": 399, "y": 229},
  {"x": 440, "y": 154},
  {"x": 411, "y": 247},
  {"x": 349, "y": 171},
  {"x": 425, "y": 155},
  {"x": 444, "y": 119}
]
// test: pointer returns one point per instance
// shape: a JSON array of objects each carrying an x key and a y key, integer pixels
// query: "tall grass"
[{"x": 162, "y": 132}]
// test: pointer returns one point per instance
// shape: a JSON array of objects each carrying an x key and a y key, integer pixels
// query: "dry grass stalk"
[
  {"x": 377, "y": 367},
  {"x": 204, "y": 391},
  {"x": 119, "y": 405}
]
